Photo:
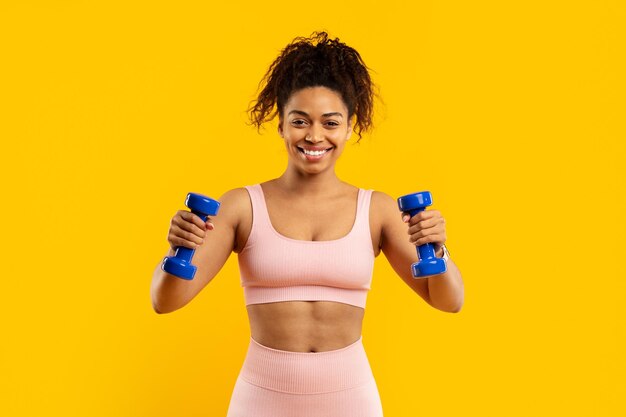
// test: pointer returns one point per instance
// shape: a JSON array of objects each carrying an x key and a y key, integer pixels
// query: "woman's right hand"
[{"x": 188, "y": 230}]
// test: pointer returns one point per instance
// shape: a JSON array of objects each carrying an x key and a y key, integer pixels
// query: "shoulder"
[
  {"x": 235, "y": 204},
  {"x": 383, "y": 211},
  {"x": 383, "y": 204},
  {"x": 235, "y": 197},
  {"x": 236, "y": 214}
]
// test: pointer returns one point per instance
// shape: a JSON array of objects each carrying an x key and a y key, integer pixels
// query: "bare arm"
[
  {"x": 444, "y": 291},
  {"x": 169, "y": 293}
]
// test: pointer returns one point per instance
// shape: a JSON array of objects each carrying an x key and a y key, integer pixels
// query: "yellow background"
[{"x": 510, "y": 113}]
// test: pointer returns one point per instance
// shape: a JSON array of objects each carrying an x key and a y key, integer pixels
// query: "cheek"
[{"x": 340, "y": 138}]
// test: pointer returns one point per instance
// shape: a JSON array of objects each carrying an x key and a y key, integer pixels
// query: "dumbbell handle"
[{"x": 427, "y": 250}]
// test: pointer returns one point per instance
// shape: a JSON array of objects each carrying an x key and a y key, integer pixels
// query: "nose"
[{"x": 315, "y": 135}]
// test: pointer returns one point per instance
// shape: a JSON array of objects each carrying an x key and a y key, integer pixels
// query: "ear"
[
  {"x": 280, "y": 128},
  {"x": 350, "y": 127}
]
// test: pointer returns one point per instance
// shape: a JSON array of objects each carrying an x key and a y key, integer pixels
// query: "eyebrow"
[{"x": 323, "y": 115}]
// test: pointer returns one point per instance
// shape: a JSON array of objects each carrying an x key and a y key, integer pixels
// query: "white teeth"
[{"x": 314, "y": 153}]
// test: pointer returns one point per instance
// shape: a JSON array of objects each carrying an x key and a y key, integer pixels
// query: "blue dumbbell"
[
  {"x": 429, "y": 264},
  {"x": 180, "y": 264}
]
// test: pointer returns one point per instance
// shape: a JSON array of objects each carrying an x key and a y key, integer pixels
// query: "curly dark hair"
[{"x": 316, "y": 61}]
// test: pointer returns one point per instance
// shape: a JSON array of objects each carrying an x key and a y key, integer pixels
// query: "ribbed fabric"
[
  {"x": 274, "y": 267},
  {"x": 306, "y": 372},
  {"x": 257, "y": 295},
  {"x": 279, "y": 383}
]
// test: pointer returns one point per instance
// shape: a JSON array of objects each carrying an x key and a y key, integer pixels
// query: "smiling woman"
[
  {"x": 306, "y": 243},
  {"x": 315, "y": 129}
]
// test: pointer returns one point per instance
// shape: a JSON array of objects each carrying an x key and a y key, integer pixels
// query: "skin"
[{"x": 309, "y": 202}]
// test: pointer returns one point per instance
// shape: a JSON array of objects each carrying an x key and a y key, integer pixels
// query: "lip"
[
  {"x": 314, "y": 148},
  {"x": 313, "y": 158}
]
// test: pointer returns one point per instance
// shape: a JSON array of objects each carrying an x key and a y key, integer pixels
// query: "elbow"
[
  {"x": 458, "y": 305},
  {"x": 450, "y": 310},
  {"x": 447, "y": 307},
  {"x": 155, "y": 308},
  {"x": 453, "y": 308},
  {"x": 457, "y": 309},
  {"x": 161, "y": 309},
  {"x": 165, "y": 309}
]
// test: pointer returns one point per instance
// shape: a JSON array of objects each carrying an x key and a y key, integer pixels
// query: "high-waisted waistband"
[{"x": 306, "y": 372}]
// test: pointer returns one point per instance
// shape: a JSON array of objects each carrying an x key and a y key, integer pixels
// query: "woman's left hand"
[{"x": 427, "y": 226}]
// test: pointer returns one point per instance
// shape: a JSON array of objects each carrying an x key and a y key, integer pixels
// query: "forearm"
[
  {"x": 446, "y": 291},
  {"x": 168, "y": 292}
]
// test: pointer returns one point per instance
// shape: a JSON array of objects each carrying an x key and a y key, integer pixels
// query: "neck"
[{"x": 304, "y": 183}]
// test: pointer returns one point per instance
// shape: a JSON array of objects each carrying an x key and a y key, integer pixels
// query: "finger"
[
  {"x": 177, "y": 241},
  {"x": 423, "y": 215},
  {"x": 429, "y": 239},
  {"x": 188, "y": 235},
  {"x": 419, "y": 235},
  {"x": 195, "y": 219},
  {"x": 425, "y": 224},
  {"x": 209, "y": 225},
  {"x": 188, "y": 223},
  {"x": 437, "y": 233},
  {"x": 183, "y": 227}
]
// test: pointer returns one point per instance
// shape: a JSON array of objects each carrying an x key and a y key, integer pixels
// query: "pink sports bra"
[{"x": 275, "y": 268}]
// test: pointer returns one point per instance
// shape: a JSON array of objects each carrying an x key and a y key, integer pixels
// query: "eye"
[
  {"x": 298, "y": 122},
  {"x": 333, "y": 123}
]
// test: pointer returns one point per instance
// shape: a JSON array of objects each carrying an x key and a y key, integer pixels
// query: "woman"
[{"x": 306, "y": 243}]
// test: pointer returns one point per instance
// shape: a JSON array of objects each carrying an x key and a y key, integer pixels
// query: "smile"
[{"x": 313, "y": 154}]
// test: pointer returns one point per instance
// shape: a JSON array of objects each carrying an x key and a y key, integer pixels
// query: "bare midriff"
[{"x": 305, "y": 326}]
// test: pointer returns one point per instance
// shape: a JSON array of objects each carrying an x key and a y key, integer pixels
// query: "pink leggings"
[{"x": 280, "y": 383}]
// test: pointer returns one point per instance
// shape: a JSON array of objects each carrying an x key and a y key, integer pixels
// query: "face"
[{"x": 315, "y": 127}]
